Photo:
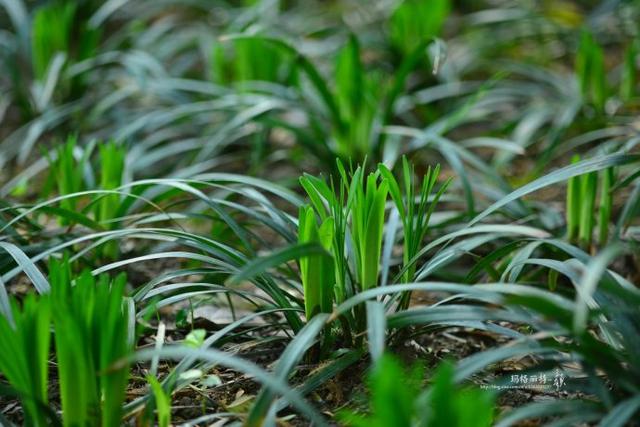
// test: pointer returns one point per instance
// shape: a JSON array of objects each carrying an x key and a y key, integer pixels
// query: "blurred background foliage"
[{"x": 167, "y": 139}]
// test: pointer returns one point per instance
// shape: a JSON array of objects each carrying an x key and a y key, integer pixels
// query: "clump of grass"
[
  {"x": 351, "y": 231},
  {"x": 581, "y": 214},
  {"x": 51, "y": 33},
  {"x": 68, "y": 177},
  {"x": 92, "y": 342},
  {"x": 24, "y": 337},
  {"x": 92, "y": 338}
]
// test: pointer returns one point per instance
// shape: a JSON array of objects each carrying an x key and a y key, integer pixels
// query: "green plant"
[
  {"x": 452, "y": 405},
  {"x": 415, "y": 212},
  {"x": 357, "y": 95},
  {"x": 398, "y": 401},
  {"x": 112, "y": 163},
  {"x": 581, "y": 206},
  {"x": 591, "y": 71},
  {"x": 162, "y": 401},
  {"x": 607, "y": 180},
  {"x": 60, "y": 37},
  {"x": 588, "y": 189},
  {"x": 335, "y": 208},
  {"x": 367, "y": 225},
  {"x": 66, "y": 174},
  {"x": 316, "y": 271},
  {"x": 358, "y": 211},
  {"x": 199, "y": 92},
  {"x": 24, "y": 337},
  {"x": 393, "y": 398},
  {"x": 415, "y": 21},
  {"x": 92, "y": 337},
  {"x": 595, "y": 327},
  {"x": 51, "y": 33},
  {"x": 252, "y": 60},
  {"x": 347, "y": 111}
]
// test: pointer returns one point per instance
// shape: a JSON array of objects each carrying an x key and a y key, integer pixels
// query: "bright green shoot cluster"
[
  {"x": 330, "y": 207},
  {"x": 348, "y": 222},
  {"x": 359, "y": 212},
  {"x": 92, "y": 344},
  {"x": 24, "y": 338},
  {"x": 581, "y": 207},
  {"x": 67, "y": 176}
]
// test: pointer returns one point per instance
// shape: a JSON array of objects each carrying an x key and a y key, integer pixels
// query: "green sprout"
[
  {"x": 92, "y": 343},
  {"x": 161, "y": 400},
  {"x": 316, "y": 271},
  {"x": 66, "y": 174},
  {"x": 24, "y": 338},
  {"x": 573, "y": 205},
  {"x": 581, "y": 206},
  {"x": 351, "y": 230},
  {"x": 591, "y": 71},
  {"x": 415, "y": 212},
  {"x": 357, "y": 96},
  {"x": 588, "y": 188},
  {"x": 112, "y": 163},
  {"x": 367, "y": 225},
  {"x": 607, "y": 179}
]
